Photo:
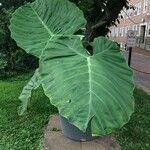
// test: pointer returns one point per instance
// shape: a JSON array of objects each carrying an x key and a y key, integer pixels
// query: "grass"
[
  {"x": 22, "y": 132},
  {"x": 26, "y": 132},
  {"x": 136, "y": 134}
]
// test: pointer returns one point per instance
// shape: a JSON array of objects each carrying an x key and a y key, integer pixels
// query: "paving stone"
[{"x": 54, "y": 140}]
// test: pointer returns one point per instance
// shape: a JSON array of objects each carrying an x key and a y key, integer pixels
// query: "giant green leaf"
[
  {"x": 35, "y": 24},
  {"x": 97, "y": 88},
  {"x": 25, "y": 95}
]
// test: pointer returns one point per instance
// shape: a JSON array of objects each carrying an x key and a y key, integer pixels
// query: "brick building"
[{"x": 137, "y": 20}]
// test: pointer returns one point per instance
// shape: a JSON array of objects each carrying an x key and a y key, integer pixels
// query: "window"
[
  {"x": 130, "y": 28},
  {"x": 145, "y": 6},
  {"x": 148, "y": 28},
  {"x": 123, "y": 15},
  {"x": 136, "y": 9},
  {"x": 131, "y": 12},
  {"x": 112, "y": 32},
  {"x": 122, "y": 33},
  {"x": 116, "y": 32},
  {"x": 126, "y": 30},
  {"x": 128, "y": 13},
  {"x": 139, "y": 8},
  {"x": 134, "y": 27},
  {"x": 138, "y": 29}
]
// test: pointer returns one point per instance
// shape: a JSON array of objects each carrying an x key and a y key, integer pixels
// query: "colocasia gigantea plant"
[{"x": 97, "y": 88}]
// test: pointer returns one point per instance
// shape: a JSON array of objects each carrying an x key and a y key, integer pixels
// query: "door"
[{"x": 142, "y": 33}]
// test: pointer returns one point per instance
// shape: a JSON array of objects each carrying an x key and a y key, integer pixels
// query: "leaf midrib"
[
  {"x": 90, "y": 90},
  {"x": 47, "y": 28},
  {"x": 40, "y": 19}
]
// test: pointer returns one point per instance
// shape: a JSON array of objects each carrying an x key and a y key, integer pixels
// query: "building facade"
[{"x": 137, "y": 19}]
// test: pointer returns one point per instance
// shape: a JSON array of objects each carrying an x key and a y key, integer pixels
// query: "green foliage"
[
  {"x": 17, "y": 60},
  {"x": 1, "y": 35},
  {"x": 85, "y": 5},
  {"x": 3, "y": 65},
  {"x": 3, "y": 62},
  {"x": 25, "y": 95},
  {"x": 15, "y": 3},
  {"x": 34, "y": 37},
  {"x": 70, "y": 77},
  {"x": 75, "y": 80}
]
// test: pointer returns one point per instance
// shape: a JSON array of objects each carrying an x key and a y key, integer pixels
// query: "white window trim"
[
  {"x": 148, "y": 28},
  {"x": 145, "y": 5},
  {"x": 139, "y": 8},
  {"x": 143, "y": 24},
  {"x": 136, "y": 10}
]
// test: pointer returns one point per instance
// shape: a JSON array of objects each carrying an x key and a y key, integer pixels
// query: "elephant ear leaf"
[
  {"x": 97, "y": 88},
  {"x": 25, "y": 96},
  {"x": 35, "y": 24}
]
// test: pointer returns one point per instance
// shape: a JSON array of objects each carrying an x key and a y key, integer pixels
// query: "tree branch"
[{"x": 99, "y": 24}]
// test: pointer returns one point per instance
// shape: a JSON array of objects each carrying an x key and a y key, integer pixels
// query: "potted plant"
[{"x": 93, "y": 92}]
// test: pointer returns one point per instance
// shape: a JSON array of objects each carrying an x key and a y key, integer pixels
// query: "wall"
[{"x": 138, "y": 20}]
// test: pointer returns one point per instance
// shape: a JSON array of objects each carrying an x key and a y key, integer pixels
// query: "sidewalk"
[
  {"x": 141, "y": 51},
  {"x": 140, "y": 63}
]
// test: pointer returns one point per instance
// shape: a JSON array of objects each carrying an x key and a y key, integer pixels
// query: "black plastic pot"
[{"x": 73, "y": 133}]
